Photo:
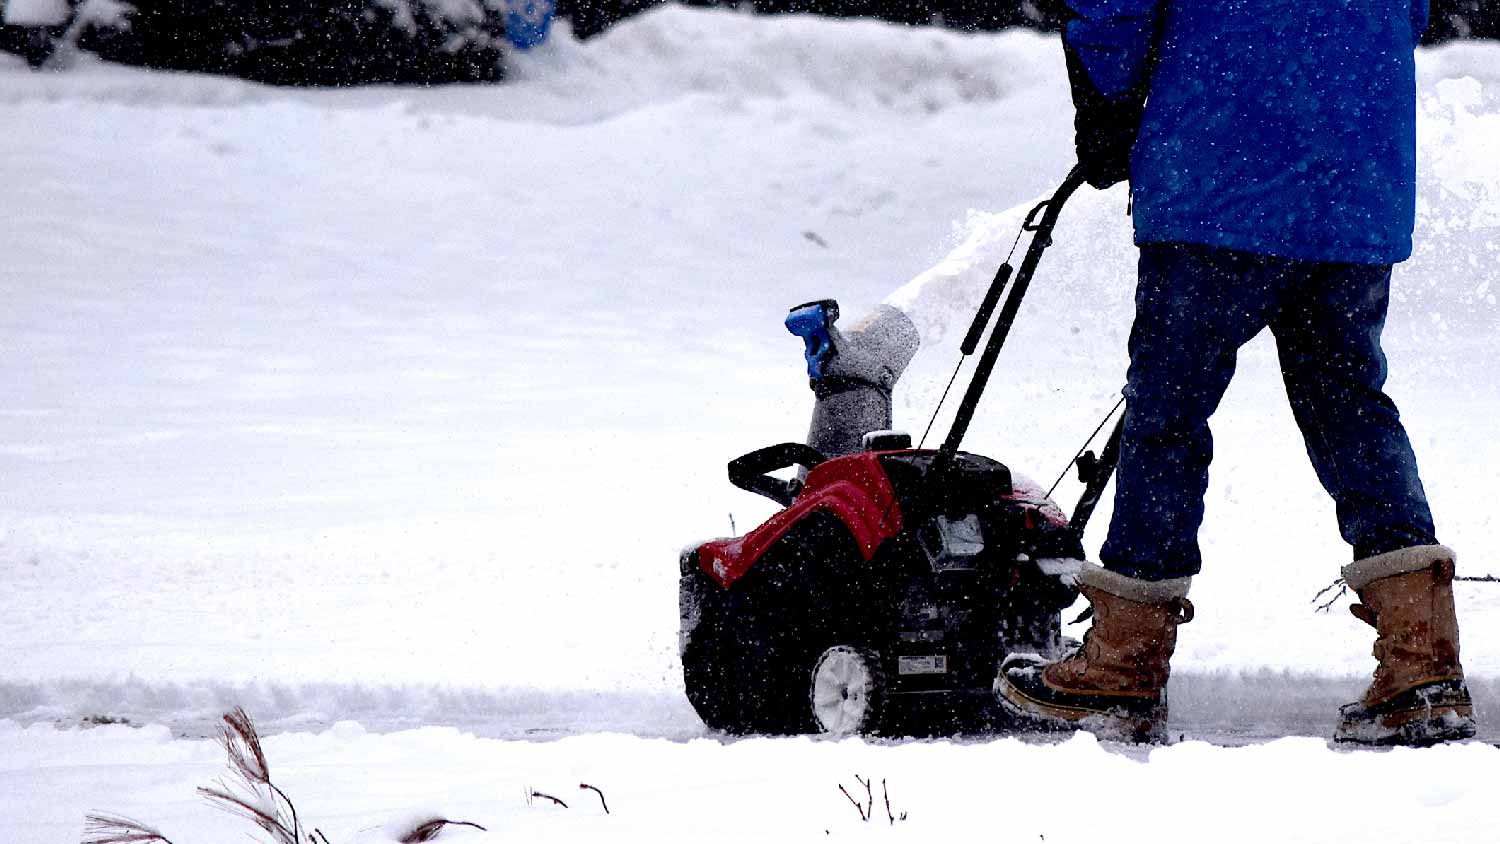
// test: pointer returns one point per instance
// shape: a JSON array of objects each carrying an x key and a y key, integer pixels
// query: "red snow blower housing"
[{"x": 886, "y": 593}]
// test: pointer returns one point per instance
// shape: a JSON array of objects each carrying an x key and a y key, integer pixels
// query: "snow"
[
  {"x": 34, "y": 12},
  {"x": 384, "y": 413},
  {"x": 361, "y": 788}
]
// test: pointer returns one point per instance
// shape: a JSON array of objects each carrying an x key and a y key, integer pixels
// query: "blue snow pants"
[{"x": 1195, "y": 306}]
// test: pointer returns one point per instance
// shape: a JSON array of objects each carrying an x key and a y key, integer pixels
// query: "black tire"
[
  {"x": 711, "y": 676},
  {"x": 848, "y": 691},
  {"x": 747, "y": 666},
  {"x": 768, "y": 680}
]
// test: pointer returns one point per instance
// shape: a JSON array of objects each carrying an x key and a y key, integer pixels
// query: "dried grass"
[
  {"x": 251, "y": 794},
  {"x": 114, "y": 829},
  {"x": 248, "y": 793},
  {"x": 428, "y": 830}
]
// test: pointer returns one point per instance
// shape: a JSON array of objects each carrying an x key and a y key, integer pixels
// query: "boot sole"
[
  {"x": 1113, "y": 724},
  {"x": 1420, "y": 717},
  {"x": 1411, "y": 728}
]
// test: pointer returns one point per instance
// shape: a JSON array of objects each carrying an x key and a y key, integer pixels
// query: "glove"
[{"x": 1104, "y": 129}]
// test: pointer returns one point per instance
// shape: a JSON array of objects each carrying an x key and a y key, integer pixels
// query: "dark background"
[{"x": 352, "y": 42}]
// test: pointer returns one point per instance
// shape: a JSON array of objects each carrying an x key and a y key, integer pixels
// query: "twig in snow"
[
  {"x": 867, "y": 810},
  {"x": 1337, "y": 584},
  {"x": 857, "y": 807},
  {"x": 584, "y": 785},
  {"x": 320, "y": 834},
  {"x": 1489, "y": 578},
  {"x": 113, "y": 829},
  {"x": 538, "y": 795},
  {"x": 429, "y": 829},
  {"x": 888, "y": 813}
]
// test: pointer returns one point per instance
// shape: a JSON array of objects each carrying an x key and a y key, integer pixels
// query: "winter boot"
[
  {"x": 1418, "y": 696},
  {"x": 1115, "y": 685}
]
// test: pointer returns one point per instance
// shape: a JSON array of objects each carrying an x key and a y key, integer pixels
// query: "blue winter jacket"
[{"x": 1280, "y": 127}]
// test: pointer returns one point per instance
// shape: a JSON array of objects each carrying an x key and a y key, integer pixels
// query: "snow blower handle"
[
  {"x": 752, "y": 472},
  {"x": 1040, "y": 221},
  {"x": 986, "y": 308}
]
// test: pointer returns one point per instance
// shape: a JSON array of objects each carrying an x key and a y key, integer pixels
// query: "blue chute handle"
[
  {"x": 812, "y": 323},
  {"x": 527, "y": 22}
]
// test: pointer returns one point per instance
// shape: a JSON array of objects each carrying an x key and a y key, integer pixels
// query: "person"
[{"x": 1270, "y": 147}]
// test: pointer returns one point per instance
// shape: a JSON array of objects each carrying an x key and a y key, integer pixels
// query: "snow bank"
[
  {"x": 856, "y": 63},
  {"x": 359, "y": 787},
  {"x": 658, "y": 57}
]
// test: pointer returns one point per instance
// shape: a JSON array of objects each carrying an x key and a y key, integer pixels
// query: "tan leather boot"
[
  {"x": 1418, "y": 695},
  {"x": 1115, "y": 685}
]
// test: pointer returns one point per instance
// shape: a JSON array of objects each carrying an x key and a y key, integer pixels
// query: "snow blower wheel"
[{"x": 848, "y": 691}]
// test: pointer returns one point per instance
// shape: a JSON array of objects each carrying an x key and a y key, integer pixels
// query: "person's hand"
[{"x": 1104, "y": 129}]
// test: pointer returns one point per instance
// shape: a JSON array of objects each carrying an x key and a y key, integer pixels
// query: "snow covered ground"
[
  {"x": 362, "y": 788},
  {"x": 394, "y": 407}
]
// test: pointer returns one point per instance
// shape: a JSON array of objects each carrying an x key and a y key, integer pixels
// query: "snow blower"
[{"x": 885, "y": 594}]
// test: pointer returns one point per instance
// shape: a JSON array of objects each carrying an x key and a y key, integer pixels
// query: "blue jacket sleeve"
[
  {"x": 1419, "y": 17},
  {"x": 1113, "y": 38}
]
